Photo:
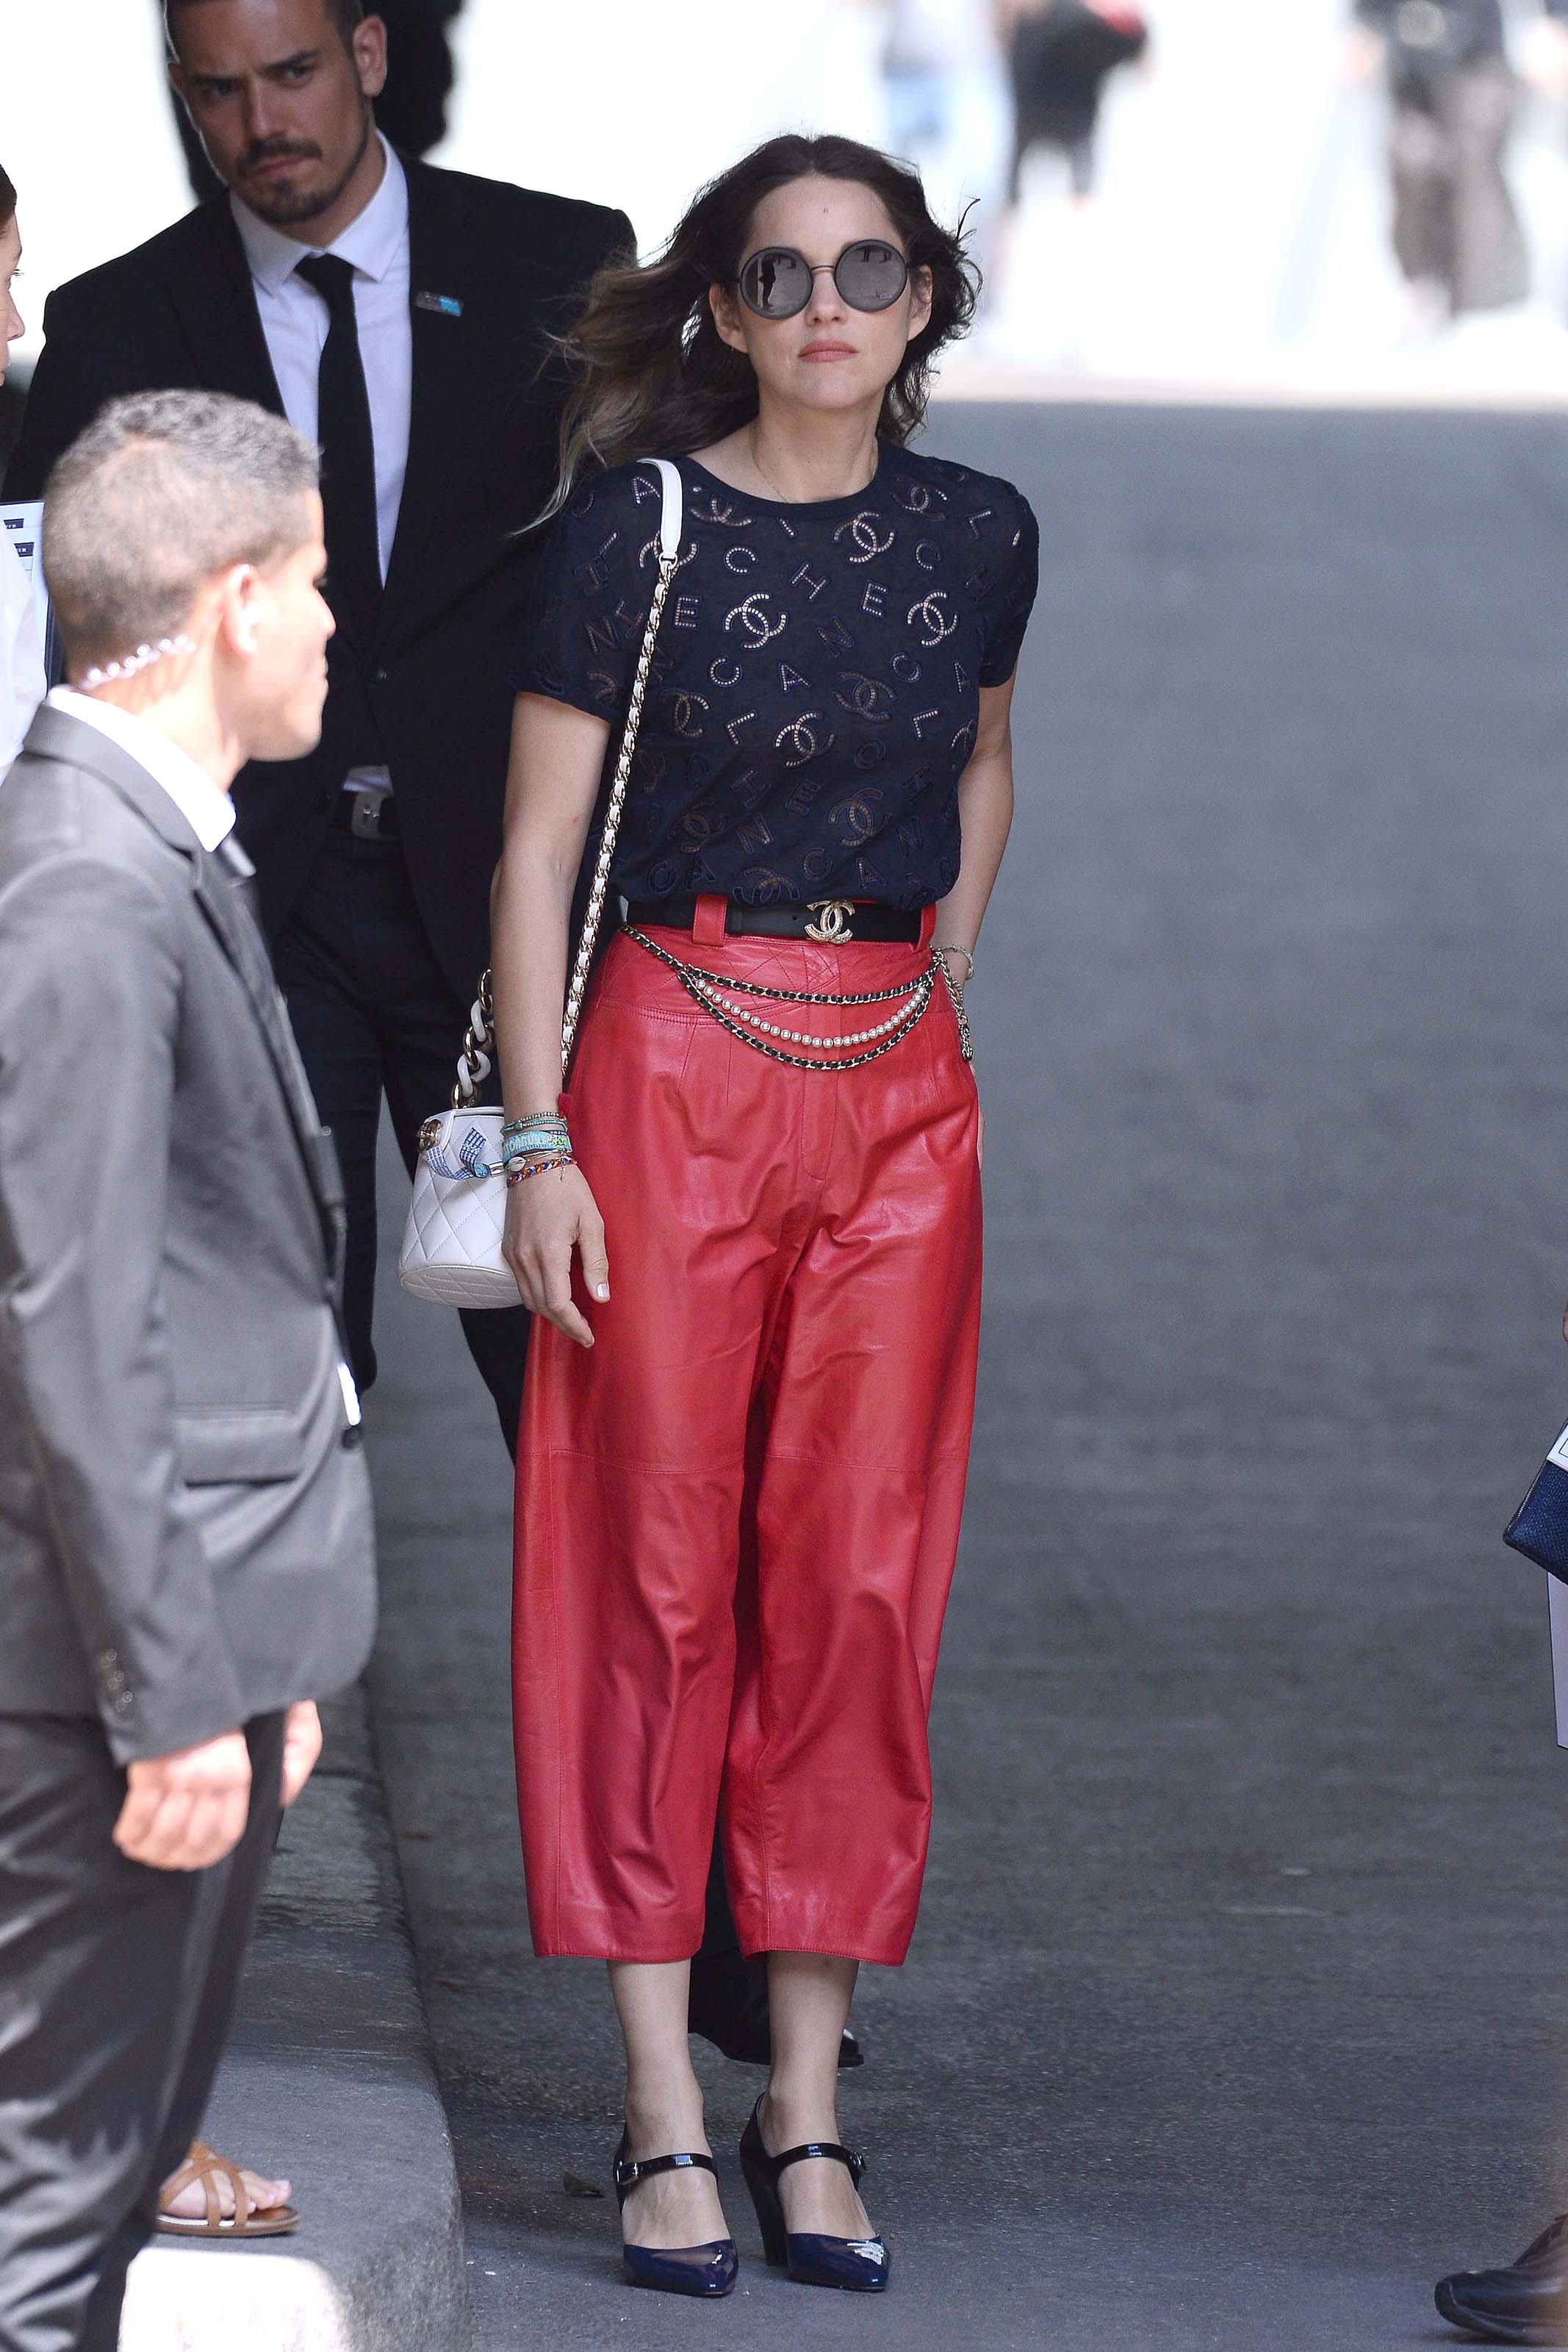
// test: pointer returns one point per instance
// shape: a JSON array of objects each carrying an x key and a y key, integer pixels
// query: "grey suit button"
[
  {"x": 124, "y": 1703},
  {"x": 107, "y": 1658}
]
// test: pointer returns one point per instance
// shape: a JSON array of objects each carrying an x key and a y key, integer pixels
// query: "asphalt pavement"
[{"x": 1238, "y": 2008}]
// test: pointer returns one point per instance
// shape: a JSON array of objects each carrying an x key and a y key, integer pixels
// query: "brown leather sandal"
[{"x": 204, "y": 2164}]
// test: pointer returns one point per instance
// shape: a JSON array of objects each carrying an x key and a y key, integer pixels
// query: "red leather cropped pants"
[{"x": 737, "y": 1512}]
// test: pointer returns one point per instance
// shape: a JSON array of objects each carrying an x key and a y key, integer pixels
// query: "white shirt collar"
[
  {"x": 206, "y": 806},
  {"x": 372, "y": 242}
]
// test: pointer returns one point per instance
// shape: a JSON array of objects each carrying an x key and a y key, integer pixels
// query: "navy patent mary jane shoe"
[
  {"x": 860, "y": 2265},
  {"x": 672, "y": 2270}
]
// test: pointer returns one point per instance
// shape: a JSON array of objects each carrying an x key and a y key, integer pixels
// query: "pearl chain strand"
[{"x": 811, "y": 1037}]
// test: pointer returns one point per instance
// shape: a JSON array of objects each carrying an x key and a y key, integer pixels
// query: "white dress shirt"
[
  {"x": 294, "y": 321},
  {"x": 206, "y": 806},
  {"x": 22, "y": 679}
]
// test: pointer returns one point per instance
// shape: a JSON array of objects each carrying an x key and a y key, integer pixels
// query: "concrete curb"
[{"x": 329, "y": 2081}]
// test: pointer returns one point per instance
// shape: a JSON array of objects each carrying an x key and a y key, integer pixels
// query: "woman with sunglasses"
[{"x": 745, "y": 1431}]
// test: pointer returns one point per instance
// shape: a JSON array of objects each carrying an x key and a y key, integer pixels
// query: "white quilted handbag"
[{"x": 452, "y": 1242}]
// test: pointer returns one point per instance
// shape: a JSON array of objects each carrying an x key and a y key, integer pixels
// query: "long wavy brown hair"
[{"x": 650, "y": 373}]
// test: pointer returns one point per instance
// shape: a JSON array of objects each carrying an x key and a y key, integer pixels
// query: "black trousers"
[
  {"x": 116, "y": 1991},
  {"x": 1455, "y": 223},
  {"x": 374, "y": 1015}
]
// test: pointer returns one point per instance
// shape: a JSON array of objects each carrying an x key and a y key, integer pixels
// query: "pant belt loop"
[
  {"x": 927, "y": 925},
  {"x": 707, "y": 923}
]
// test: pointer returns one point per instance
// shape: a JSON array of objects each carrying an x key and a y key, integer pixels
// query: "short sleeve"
[
  {"x": 1010, "y": 599},
  {"x": 590, "y": 597}
]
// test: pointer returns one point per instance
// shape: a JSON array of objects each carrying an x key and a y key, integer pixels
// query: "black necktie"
[{"x": 349, "y": 453}]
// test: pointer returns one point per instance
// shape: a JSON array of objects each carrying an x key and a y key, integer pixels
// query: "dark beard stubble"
[{"x": 286, "y": 211}]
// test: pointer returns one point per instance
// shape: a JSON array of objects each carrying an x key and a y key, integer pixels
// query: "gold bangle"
[{"x": 951, "y": 947}]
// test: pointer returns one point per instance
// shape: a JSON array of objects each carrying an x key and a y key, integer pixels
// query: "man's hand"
[
  {"x": 186, "y": 1811},
  {"x": 301, "y": 1748}
]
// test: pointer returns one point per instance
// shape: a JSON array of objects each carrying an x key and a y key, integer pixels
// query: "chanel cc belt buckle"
[{"x": 834, "y": 926}]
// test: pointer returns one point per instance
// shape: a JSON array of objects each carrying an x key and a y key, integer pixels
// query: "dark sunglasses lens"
[
  {"x": 776, "y": 284},
  {"x": 869, "y": 276}
]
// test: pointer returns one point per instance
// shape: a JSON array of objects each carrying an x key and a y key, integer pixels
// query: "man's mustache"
[{"x": 278, "y": 150}]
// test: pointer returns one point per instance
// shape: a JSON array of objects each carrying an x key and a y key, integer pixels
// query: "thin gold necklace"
[
  {"x": 763, "y": 470},
  {"x": 757, "y": 461}
]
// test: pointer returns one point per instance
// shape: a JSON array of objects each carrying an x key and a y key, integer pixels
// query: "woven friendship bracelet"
[
  {"x": 534, "y": 1138},
  {"x": 538, "y": 1168}
]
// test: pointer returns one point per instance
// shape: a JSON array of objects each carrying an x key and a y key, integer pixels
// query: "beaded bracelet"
[
  {"x": 534, "y": 1118},
  {"x": 538, "y": 1168}
]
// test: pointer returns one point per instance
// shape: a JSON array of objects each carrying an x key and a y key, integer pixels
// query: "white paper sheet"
[
  {"x": 1557, "y": 1606},
  {"x": 23, "y": 525}
]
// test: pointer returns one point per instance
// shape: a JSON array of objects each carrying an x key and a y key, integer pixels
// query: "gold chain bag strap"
[{"x": 452, "y": 1242}]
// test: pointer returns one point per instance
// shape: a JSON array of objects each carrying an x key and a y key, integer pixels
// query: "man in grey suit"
[{"x": 186, "y": 1557}]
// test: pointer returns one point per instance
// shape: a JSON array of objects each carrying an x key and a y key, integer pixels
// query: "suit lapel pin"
[{"x": 446, "y": 305}]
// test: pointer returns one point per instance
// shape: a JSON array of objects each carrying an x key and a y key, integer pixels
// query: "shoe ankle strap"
[
  {"x": 814, "y": 2148},
  {"x": 628, "y": 2174}
]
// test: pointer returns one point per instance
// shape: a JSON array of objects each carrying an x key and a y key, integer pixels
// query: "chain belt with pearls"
[{"x": 726, "y": 999}]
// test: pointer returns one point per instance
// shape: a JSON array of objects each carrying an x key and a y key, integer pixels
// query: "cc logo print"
[
  {"x": 937, "y": 624},
  {"x": 802, "y": 734},
  {"x": 754, "y": 623},
  {"x": 868, "y": 698},
  {"x": 862, "y": 528}
]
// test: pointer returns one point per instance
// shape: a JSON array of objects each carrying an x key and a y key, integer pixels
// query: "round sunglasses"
[{"x": 776, "y": 283}]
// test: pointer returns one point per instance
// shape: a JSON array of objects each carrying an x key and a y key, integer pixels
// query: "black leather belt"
[
  {"x": 369, "y": 816},
  {"x": 835, "y": 921}
]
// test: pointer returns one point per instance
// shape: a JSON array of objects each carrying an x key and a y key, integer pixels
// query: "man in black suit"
[{"x": 401, "y": 316}]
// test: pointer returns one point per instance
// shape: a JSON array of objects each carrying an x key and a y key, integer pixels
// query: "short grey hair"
[{"x": 163, "y": 491}]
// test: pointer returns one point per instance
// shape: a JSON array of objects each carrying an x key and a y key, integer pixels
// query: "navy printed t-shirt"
[{"x": 816, "y": 683}]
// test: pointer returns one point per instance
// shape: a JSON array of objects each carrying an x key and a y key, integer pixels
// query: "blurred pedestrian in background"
[
  {"x": 186, "y": 1559},
  {"x": 1061, "y": 54},
  {"x": 1453, "y": 98},
  {"x": 944, "y": 86},
  {"x": 21, "y": 641}
]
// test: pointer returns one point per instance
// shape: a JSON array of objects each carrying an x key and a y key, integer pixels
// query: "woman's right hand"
[{"x": 546, "y": 1219}]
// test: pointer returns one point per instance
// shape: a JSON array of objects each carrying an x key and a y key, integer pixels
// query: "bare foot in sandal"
[{"x": 200, "y": 2198}]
